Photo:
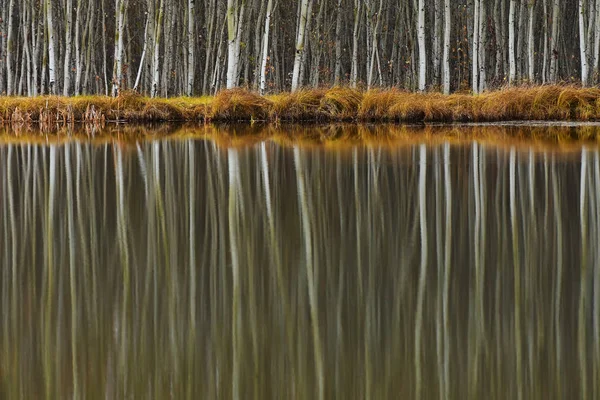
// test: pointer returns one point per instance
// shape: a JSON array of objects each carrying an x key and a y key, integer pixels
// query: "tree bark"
[
  {"x": 446, "y": 57},
  {"x": 422, "y": 49},
  {"x": 302, "y": 20},
  {"x": 512, "y": 65}
]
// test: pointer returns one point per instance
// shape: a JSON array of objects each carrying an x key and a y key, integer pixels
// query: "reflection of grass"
[
  {"x": 329, "y": 136},
  {"x": 555, "y": 102}
]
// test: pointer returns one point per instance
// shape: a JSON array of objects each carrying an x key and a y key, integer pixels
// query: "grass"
[{"x": 541, "y": 103}]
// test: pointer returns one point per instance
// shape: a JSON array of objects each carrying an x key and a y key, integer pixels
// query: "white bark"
[
  {"x": 156, "y": 51},
  {"x": 446, "y": 57},
  {"x": 355, "y": 40},
  {"x": 476, "y": 45},
  {"x": 583, "y": 52},
  {"x": 78, "y": 62},
  {"x": 531, "y": 42},
  {"x": 338, "y": 44},
  {"x": 511, "y": 43},
  {"x": 51, "y": 48},
  {"x": 554, "y": 41},
  {"x": 10, "y": 86},
  {"x": 143, "y": 57},
  {"x": 68, "y": 47},
  {"x": 302, "y": 19},
  {"x": 191, "y": 47},
  {"x": 596, "y": 57},
  {"x": 232, "y": 52},
  {"x": 422, "y": 49},
  {"x": 118, "y": 63},
  {"x": 265, "y": 48}
]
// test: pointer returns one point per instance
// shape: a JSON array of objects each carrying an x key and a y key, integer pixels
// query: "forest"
[{"x": 166, "y": 48}]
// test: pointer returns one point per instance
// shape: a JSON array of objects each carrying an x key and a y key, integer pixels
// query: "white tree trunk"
[
  {"x": 302, "y": 19},
  {"x": 446, "y": 57},
  {"x": 191, "y": 47},
  {"x": 355, "y": 40},
  {"x": 78, "y": 58},
  {"x": 531, "y": 42},
  {"x": 10, "y": 86},
  {"x": 596, "y": 58},
  {"x": 68, "y": 48},
  {"x": 265, "y": 49},
  {"x": 232, "y": 52},
  {"x": 338, "y": 44},
  {"x": 583, "y": 45},
  {"x": 476, "y": 45},
  {"x": 422, "y": 49},
  {"x": 156, "y": 51},
  {"x": 51, "y": 48},
  {"x": 142, "y": 58},
  {"x": 554, "y": 40},
  {"x": 512, "y": 65},
  {"x": 118, "y": 63}
]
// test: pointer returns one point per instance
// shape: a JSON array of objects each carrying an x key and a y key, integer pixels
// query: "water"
[{"x": 191, "y": 267}]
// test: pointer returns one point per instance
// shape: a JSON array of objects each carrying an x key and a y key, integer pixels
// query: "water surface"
[{"x": 235, "y": 266}]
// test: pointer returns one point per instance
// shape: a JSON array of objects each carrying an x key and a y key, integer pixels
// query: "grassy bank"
[{"x": 543, "y": 103}]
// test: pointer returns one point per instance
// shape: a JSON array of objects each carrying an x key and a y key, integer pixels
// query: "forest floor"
[{"x": 525, "y": 103}]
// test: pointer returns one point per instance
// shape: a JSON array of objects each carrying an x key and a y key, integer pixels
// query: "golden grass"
[
  {"x": 541, "y": 103},
  {"x": 341, "y": 136}
]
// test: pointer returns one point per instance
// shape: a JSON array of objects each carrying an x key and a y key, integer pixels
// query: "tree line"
[{"x": 184, "y": 47}]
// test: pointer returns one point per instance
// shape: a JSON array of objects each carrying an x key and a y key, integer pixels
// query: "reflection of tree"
[{"x": 171, "y": 268}]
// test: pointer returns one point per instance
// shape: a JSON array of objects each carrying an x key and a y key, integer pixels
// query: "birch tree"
[
  {"x": 68, "y": 47},
  {"x": 476, "y": 45},
  {"x": 118, "y": 59},
  {"x": 446, "y": 56},
  {"x": 235, "y": 15},
  {"x": 191, "y": 37},
  {"x": 302, "y": 20},
  {"x": 583, "y": 50},
  {"x": 531, "y": 42},
  {"x": 422, "y": 49},
  {"x": 51, "y": 47},
  {"x": 554, "y": 40},
  {"x": 265, "y": 48},
  {"x": 511, "y": 43},
  {"x": 10, "y": 49},
  {"x": 156, "y": 51}
]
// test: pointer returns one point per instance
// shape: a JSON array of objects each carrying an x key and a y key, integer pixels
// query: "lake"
[{"x": 356, "y": 262}]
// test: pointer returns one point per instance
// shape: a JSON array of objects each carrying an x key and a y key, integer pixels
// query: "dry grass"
[
  {"x": 542, "y": 103},
  {"x": 239, "y": 105}
]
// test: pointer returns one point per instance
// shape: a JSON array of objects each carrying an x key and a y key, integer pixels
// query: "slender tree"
[
  {"x": 422, "y": 49},
  {"x": 302, "y": 20}
]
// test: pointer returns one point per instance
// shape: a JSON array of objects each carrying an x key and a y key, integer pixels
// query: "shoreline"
[{"x": 557, "y": 103}]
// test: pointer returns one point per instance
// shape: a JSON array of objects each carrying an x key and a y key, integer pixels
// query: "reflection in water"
[{"x": 181, "y": 269}]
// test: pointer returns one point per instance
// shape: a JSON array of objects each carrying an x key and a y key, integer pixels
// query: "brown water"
[{"x": 183, "y": 268}]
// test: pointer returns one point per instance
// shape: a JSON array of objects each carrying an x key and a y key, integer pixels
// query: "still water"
[{"x": 183, "y": 267}]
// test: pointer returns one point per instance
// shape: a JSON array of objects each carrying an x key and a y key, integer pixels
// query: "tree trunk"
[
  {"x": 10, "y": 48},
  {"x": 355, "y": 44},
  {"x": 554, "y": 41},
  {"x": 265, "y": 49},
  {"x": 68, "y": 48},
  {"x": 338, "y": 44},
  {"x": 446, "y": 58},
  {"x": 191, "y": 47},
  {"x": 302, "y": 20},
  {"x": 476, "y": 45},
  {"x": 583, "y": 52},
  {"x": 531, "y": 42},
  {"x": 511, "y": 44},
  {"x": 422, "y": 49},
  {"x": 51, "y": 48},
  {"x": 156, "y": 51}
]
